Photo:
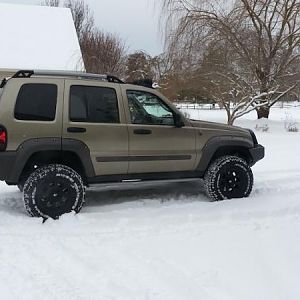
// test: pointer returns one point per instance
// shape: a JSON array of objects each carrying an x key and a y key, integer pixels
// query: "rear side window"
[
  {"x": 93, "y": 104},
  {"x": 36, "y": 102}
]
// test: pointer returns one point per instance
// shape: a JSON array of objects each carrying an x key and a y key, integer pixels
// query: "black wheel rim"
[
  {"x": 55, "y": 196},
  {"x": 233, "y": 182}
]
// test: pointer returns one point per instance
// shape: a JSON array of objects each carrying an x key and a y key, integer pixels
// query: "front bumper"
[{"x": 257, "y": 153}]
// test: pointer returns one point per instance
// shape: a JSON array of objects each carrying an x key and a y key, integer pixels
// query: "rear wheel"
[
  {"x": 20, "y": 187},
  {"x": 228, "y": 177},
  {"x": 23, "y": 179},
  {"x": 52, "y": 191}
]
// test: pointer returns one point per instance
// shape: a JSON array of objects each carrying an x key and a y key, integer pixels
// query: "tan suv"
[{"x": 61, "y": 132}]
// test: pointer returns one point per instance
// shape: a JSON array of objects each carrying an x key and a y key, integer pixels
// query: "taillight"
[{"x": 3, "y": 138}]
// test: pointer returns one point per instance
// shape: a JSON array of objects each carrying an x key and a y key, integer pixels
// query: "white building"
[{"x": 37, "y": 37}]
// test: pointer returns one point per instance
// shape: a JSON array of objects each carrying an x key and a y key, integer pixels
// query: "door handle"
[
  {"x": 76, "y": 129},
  {"x": 142, "y": 131}
]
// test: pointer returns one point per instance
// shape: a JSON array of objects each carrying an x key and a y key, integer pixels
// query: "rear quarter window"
[{"x": 36, "y": 102}]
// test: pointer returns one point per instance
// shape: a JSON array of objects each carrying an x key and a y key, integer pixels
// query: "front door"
[
  {"x": 94, "y": 115},
  {"x": 155, "y": 144}
]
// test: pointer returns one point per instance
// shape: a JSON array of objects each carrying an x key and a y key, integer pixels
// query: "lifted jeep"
[{"x": 61, "y": 132}]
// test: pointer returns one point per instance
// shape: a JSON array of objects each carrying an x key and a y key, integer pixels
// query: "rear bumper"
[
  {"x": 7, "y": 165},
  {"x": 257, "y": 153}
]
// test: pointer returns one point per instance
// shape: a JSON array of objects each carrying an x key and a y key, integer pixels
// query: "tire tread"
[
  {"x": 29, "y": 202},
  {"x": 213, "y": 170}
]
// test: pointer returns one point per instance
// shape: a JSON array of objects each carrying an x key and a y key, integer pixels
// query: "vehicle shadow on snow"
[
  {"x": 103, "y": 195},
  {"x": 108, "y": 194}
]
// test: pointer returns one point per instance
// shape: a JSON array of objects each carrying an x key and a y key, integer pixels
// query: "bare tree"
[
  {"x": 232, "y": 94},
  {"x": 103, "y": 53},
  {"x": 82, "y": 16},
  {"x": 54, "y": 3},
  {"x": 265, "y": 35},
  {"x": 227, "y": 80},
  {"x": 161, "y": 66},
  {"x": 138, "y": 66}
]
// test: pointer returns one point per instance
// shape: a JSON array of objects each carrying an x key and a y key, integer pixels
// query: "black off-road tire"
[
  {"x": 20, "y": 187},
  {"x": 52, "y": 191},
  {"x": 228, "y": 177},
  {"x": 23, "y": 179}
]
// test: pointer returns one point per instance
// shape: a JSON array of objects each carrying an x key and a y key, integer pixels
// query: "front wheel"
[
  {"x": 52, "y": 191},
  {"x": 228, "y": 177}
]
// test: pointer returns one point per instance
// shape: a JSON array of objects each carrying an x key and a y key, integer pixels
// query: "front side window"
[
  {"x": 36, "y": 102},
  {"x": 93, "y": 104},
  {"x": 147, "y": 108}
]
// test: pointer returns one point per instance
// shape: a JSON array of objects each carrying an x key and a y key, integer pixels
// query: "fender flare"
[
  {"x": 32, "y": 146},
  {"x": 215, "y": 143}
]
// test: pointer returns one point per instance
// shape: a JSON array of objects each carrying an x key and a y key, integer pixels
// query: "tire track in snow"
[{"x": 59, "y": 262}]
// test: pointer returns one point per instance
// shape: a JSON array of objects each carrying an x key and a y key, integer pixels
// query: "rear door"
[{"x": 94, "y": 115}]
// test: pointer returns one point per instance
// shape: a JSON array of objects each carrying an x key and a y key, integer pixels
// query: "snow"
[
  {"x": 38, "y": 37},
  {"x": 165, "y": 240}
]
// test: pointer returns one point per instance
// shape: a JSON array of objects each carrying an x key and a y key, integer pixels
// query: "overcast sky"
[{"x": 136, "y": 21}]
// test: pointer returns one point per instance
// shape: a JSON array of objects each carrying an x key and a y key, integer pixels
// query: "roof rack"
[
  {"x": 73, "y": 74},
  {"x": 29, "y": 73}
]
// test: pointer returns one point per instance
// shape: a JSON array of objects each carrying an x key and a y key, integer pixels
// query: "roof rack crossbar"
[
  {"x": 115, "y": 79},
  {"x": 23, "y": 74}
]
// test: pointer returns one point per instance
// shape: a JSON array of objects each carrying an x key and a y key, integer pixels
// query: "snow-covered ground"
[{"x": 165, "y": 241}]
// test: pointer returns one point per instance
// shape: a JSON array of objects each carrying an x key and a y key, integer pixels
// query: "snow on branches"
[
  {"x": 239, "y": 97},
  {"x": 237, "y": 108}
]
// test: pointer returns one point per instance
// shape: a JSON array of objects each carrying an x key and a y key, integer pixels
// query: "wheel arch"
[
  {"x": 35, "y": 152},
  {"x": 220, "y": 146},
  {"x": 46, "y": 157}
]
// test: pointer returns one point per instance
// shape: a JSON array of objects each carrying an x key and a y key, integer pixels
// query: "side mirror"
[{"x": 178, "y": 122}]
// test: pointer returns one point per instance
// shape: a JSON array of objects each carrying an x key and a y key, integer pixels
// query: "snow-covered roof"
[{"x": 38, "y": 37}]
